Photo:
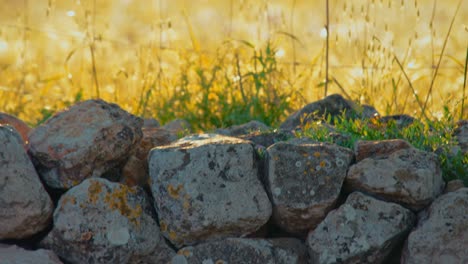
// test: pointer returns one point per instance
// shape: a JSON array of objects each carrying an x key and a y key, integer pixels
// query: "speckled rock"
[
  {"x": 20, "y": 126},
  {"x": 11, "y": 254},
  {"x": 244, "y": 129},
  {"x": 461, "y": 134},
  {"x": 442, "y": 232},
  {"x": 362, "y": 230},
  {"x": 304, "y": 181},
  {"x": 409, "y": 177},
  {"x": 99, "y": 221},
  {"x": 334, "y": 105},
  {"x": 206, "y": 187},
  {"x": 83, "y": 141},
  {"x": 25, "y": 206},
  {"x": 245, "y": 250},
  {"x": 378, "y": 149},
  {"x": 135, "y": 170}
]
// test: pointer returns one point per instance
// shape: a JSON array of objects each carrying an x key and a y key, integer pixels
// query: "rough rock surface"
[
  {"x": 244, "y": 129},
  {"x": 99, "y": 221},
  {"x": 206, "y": 187},
  {"x": 409, "y": 177},
  {"x": 461, "y": 133},
  {"x": 135, "y": 171},
  {"x": 304, "y": 181},
  {"x": 20, "y": 126},
  {"x": 334, "y": 105},
  {"x": 25, "y": 206},
  {"x": 442, "y": 232},
  {"x": 362, "y": 230},
  {"x": 244, "y": 250},
  {"x": 11, "y": 254},
  {"x": 378, "y": 149},
  {"x": 83, "y": 141},
  {"x": 178, "y": 126},
  {"x": 267, "y": 138}
]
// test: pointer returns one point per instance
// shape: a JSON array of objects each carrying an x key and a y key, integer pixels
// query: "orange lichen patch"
[
  {"x": 185, "y": 252},
  {"x": 220, "y": 261},
  {"x": 323, "y": 163},
  {"x": 163, "y": 226},
  {"x": 174, "y": 191},
  {"x": 94, "y": 190},
  {"x": 69, "y": 199},
  {"x": 172, "y": 235},
  {"x": 317, "y": 154},
  {"x": 186, "y": 204},
  {"x": 118, "y": 200},
  {"x": 276, "y": 158},
  {"x": 86, "y": 236}
]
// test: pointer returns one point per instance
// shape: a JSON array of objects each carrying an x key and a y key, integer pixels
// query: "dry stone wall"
[{"x": 128, "y": 191}]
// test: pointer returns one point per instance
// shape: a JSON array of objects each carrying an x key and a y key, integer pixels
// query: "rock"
[
  {"x": 334, "y": 105},
  {"x": 150, "y": 123},
  {"x": 25, "y": 206},
  {"x": 244, "y": 129},
  {"x": 409, "y": 177},
  {"x": 461, "y": 134},
  {"x": 11, "y": 254},
  {"x": 20, "y": 126},
  {"x": 441, "y": 235},
  {"x": 244, "y": 250},
  {"x": 401, "y": 121},
  {"x": 206, "y": 187},
  {"x": 99, "y": 221},
  {"x": 267, "y": 138},
  {"x": 362, "y": 230},
  {"x": 378, "y": 149},
  {"x": 135, "y": 171},
  {"x": 178, "y": 126},
  {"x": 453, "y": 186},
  {"x": 304, "y": 181},
  {"x": 83, "y": 141}
]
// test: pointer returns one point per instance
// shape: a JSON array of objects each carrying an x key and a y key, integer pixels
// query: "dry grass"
[{"x": 182, "y": 58}]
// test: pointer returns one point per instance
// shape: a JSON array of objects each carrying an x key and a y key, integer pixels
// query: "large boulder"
[
  {"x": 442, "y": 232},
  {"x": 206, "y": 187},
  {"x": 362, "y": 230},
  {"x": 99, "y": 221},
  {"x": 25, "y": 206},
  {"x": 304, "y": 181},
  {"x": 408, "y": 176},
  {"x": 334, "y": 105},
  {"x": 245, "y": 250},
  {"x": 83, "y": 141},
  {"x": 11, "y": 254}
]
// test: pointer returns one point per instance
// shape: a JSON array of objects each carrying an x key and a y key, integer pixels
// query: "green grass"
[{"x": 432, "y": 136}]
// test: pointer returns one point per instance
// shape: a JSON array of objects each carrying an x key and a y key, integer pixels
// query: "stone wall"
[{"x": 95, "y": 184}]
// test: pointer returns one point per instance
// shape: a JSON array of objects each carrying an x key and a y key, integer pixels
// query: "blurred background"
[{"x": 223, "y": 62}]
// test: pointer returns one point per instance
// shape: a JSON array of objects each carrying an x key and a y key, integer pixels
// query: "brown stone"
[
  {"x": 378, "y": 149},
  {"x": 20, "y": 126}
]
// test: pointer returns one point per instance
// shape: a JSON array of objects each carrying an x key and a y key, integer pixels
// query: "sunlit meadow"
[{"x": 223, "y": 62}]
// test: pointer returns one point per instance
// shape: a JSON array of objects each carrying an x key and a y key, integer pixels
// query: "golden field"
[{"x": 206, "y": 60}]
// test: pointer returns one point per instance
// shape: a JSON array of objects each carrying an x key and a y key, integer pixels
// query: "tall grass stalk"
[
  {"x": 327, "y": 45},
  {"x": 462, "y": 110}
]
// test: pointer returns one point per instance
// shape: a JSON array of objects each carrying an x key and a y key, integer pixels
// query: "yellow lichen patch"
[
  {"x": 317, "y": 154},
  {"x": 323, "y": 163},
  {"x": 174, "y": 191},
  {"x": 86, "y": 236},
  {"x": 163, "y": 226},
  {"x": 69, "y": 199},
  {"x": 186, "y": 203},
  {"x": 94, "y": 190},
  {"x": 118, "y": 200}
]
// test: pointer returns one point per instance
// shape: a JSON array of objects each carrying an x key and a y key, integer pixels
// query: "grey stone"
[
  {"x": 83, "y": 141},
  {"x": 206, "y": 187},
  {"x": 362, "y": 230},
  {"x": 244, "y": 129},
  {"x": 304, "y": 181},
  {"x": 245, "y": 250},
  {"x": 409, "y": 177},
  {"x": 334, "y": 105},
  {"x": 461, "y": 134},
  {"x": 25, "y": 206},
  {"x": 378, "y": 149},
  {"x": 99, "y": 221},
  {"x": 441, "y": 235},
  {"x": 178, "y": 126},
  {"x": 11, "y": 254}
]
